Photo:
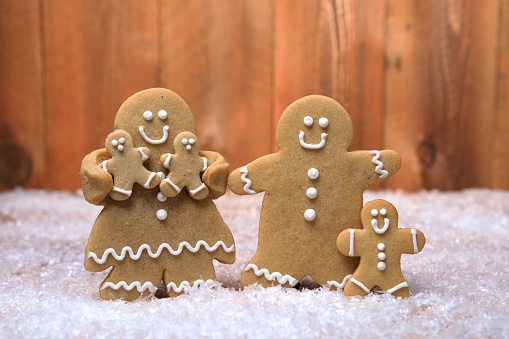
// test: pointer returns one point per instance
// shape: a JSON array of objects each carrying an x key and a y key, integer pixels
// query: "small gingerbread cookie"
[
  {"x": 185, "y": 167},
  {"x": 126, "y": 165},
  {"x": 380, "y": 249}
]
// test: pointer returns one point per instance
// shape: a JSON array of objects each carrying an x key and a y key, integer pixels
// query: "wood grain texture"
[
  {"x": 22, "y": 150},
  {"x": 217, "y": 56}
]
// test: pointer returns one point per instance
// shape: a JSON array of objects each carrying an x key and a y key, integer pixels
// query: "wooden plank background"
[{"x": 429, "y": 79}]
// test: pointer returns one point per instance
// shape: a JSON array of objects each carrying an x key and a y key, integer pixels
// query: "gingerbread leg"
[
  {"x": 260, "y": 275},
  {"x": 400, "y": 290},
  {"x": 199, "y": 192},
  {"x": 149, "y": 179},
  {"x": 169, "y": 188},
  {"x": 120, "y": 194},
  {"x": 355, "y": 287}
]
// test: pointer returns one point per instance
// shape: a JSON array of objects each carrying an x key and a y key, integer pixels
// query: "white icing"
[
  {"x": 161, "y": 174},
  {"x": 172, "y": 185},
  {"x": 167, "y": 161},
  {"x": 162, "y": 114},
  {"x": 323, "y": 122},
  {"x": 151, "y": 176},
  {"x": 163, "y": 139},
  {"x": 383, "y": 211},
  {"x": 380, "y": 266},
  {"x": 184, "y": 141},
  {"x": 103, "y": 165},
  {"x": 414, "y": 238},
  {"x": 352, "y": 231},
  {"x": 188, "y": 147},
  {"x": 193, "y": 192},
  {"x": 116, "y": 189},
  {"x": 358, "y": 283},
  {"x": 205, "y": 162},
  {"x": 143, "y": 155},
  {"x": 312, "y": 146},
  {"x": 397, "y": 287},
  {"x": 149, "y": 286},
  {"x": 310, "y": 214},
  {"x": 192, "y": 141},
  {"x": 313, "y": 173},
  {"x": 374, "y": 212},
  {"x": 120, "y": 148},
  {"x": 121, "y": 140},
  {"x": 161, "y": 197},
  {"x": 379, "y": 165},
  {"x": 308, "y": 121},
  {"x": 147, "y": 115},
  {"x": 114, "y": 143},
  {"x": 381, "y": 256},
  {"x": 163, "y": 246},
  {"x": 161, "y": 214},
  {"x": 282, "y": 279},
  {"x": 381, "y": 246},
  {"x": 374, "y": 223},
  {"x": 311, "y": 193},
  {"x": 338, "y": 285},
  {"x": 245, "y": 180}
]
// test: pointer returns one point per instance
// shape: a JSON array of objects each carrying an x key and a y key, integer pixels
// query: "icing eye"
[
  {"x": 184, "y": 141},
  {"x": 374, "y": 212},
  {"x": 114, "y": 143},
  {"x": 383, "y": 211},
  {"x": 188, "y": 147},
  {"x": 308, "y": 121},
  {"x": 192, "y": 141},
  {"x": 147, "y": 115},
  {"x": 162, "y": 114},
  {"x": 121, "y": 140},
  {"x": 323, "y": 122}
]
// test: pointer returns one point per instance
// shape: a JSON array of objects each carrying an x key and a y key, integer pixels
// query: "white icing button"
[
  {"x": 120, "y": 148},
  {"x": 311, "y": 193},
  {"x": 188, "y": 147},
  {"x": 161, "y": 197},
  {"x": 147, "y": 115},
  {"x": 308, "y": 121},
  {"x": 381, "y": 256},
  {"x": 161, "y": 214},
  {"x": 381, "y": 266},
  {"x": 121, "y": 140},
  {"x": 114, "y": 143},
  {"x": 323, "y": 122},
  {"x": 381, "y": 246},
  {"x": 162, "y": 114},
  {"x": 192, "y": 141},
  {"x": 383, "y": 211},
  {"x": 310, "y": 214},
  {"x": 374, "y": 212},
  {"x": 184, "y": 141},
  {"x": 313, "y": 173}
]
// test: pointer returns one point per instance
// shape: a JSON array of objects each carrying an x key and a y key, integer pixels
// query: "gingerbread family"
[{"x": 159, "y": 225}]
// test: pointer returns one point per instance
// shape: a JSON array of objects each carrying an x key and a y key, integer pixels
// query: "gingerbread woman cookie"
[
  {"x": 380, "y": 249},
  {"x": 185, "y": 167},
  {"x": 126, "y": 165},
  {"x": 149, "y": 238},
  {"x": 313, "y": 190}
]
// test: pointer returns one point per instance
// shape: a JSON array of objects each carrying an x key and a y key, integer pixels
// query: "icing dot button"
[
  {"x": 311, "y": 193},
  {"x": 308, "y": 121},
  {"x": 323, "y": 122},
  {"x": 381, "y": 246},
  {"x": 162, "y": 114},
  {"x": 381, "y": 266},
  {"x": 310, "y": 214},
  {"x": 147, "y": 115},
  {"x": 161, "y": 214},
  {"x": 381, "y": 256},
  {"x": 120, "y": 148},
  {"x": 313, "y": 173},
  {"x": 114, "y": 143},
  {"x": 374, "y": 212},
  {"x": 161, "y": 197}
]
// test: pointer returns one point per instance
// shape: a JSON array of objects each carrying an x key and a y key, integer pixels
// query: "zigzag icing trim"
[
  {"x": 149, "y": 286},
  {"x": 282, "y": 279},
  {"x": 338, "y": 285},
  {"x": 163, "y": 246},
  {"x": 379, "y": 165},
  {"x": 245, "y": 180}
]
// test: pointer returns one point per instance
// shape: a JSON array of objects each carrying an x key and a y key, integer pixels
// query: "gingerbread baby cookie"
[
  {"x": 313, "y": 190},
  {"x": 185, "y": 167},
  {"x": 379, "y": 245},
  {"x": 150, "y": 239},
  {"x": 126, "y": 165}
]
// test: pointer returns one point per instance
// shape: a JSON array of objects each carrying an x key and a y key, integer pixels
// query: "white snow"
[{"x": 459, "y": 283}]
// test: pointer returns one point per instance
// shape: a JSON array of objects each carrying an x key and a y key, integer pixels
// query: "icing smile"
[
  {"x": 374, "y": 223},
  {"x": 312, "y": 146},
  {"x": 166, "y": 128}
]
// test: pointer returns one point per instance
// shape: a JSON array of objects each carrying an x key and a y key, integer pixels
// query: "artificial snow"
[{"x": 458, "y": 283}]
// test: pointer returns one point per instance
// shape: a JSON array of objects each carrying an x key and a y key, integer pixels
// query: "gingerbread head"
[{"x": 186, "y": 143}]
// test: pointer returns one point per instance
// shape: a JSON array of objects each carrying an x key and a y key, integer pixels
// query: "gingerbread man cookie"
[
  {"x": 379, "y": 245},
  {"x": 150, "y": 239},
  {"x": 126, "y": 165},
  {"x": 313, "y": 190},
  {"x": 185, "y": 167}
]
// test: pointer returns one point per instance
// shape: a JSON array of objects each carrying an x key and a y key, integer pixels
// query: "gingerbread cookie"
[
  {"x": 379, "y": 245},
  {"x": 185, "y": 167},
  {"x": 126, "y": 165},
  {"x": 313, "y": 190},
  {"x": 149, "y": 238}
]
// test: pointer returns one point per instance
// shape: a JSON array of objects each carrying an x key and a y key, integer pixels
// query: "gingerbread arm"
[
  {"x": 346, "y": 242},
  {"x": 250, "y": 179},
  {"x": 375, "y": 166},
  {"x": 216, "y": 173},
  {"x": 412, "y": 241},
  {"x": 95, "y": 180},
  {"x": 144, "y": 152}
]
